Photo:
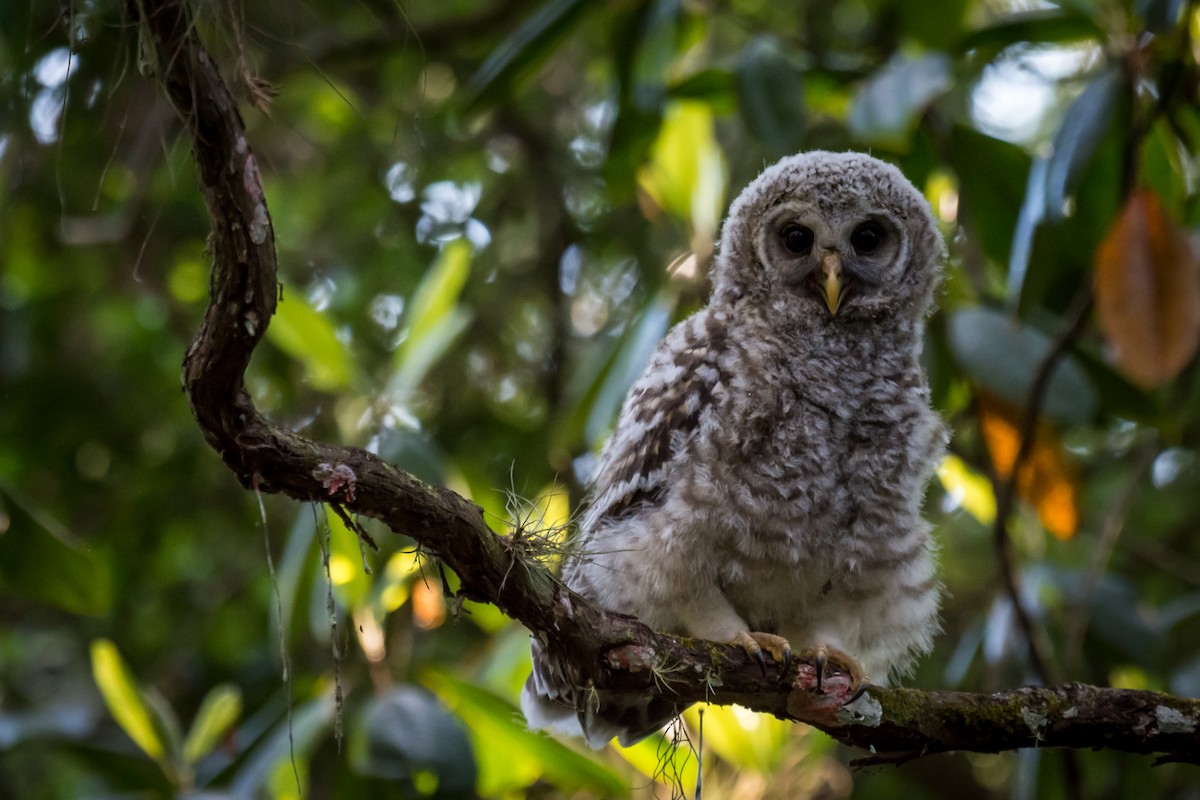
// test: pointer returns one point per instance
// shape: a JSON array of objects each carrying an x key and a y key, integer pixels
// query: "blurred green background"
[{"x": 487, "y": 213}]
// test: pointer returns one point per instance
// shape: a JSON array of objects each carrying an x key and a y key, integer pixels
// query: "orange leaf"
[
  {"x": 1148, "y": 292},
  {"x": 1047, "y": 479}
]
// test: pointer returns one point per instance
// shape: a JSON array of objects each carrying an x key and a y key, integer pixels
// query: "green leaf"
[
  {"x": 437, "y": 319},
  {"x": 686, "y": 173},
  {"x": 218, "y": 712},
  {"x": 308, "y": 336},
  {"x": 125, "y": 702},
  {"x": 407, "y": 736},
  {"x": 770, "y": 91},
  {"x": 992, "y": 175},
  {"x": 1001, "y": 354},
  {"x": 511, "y": 757},
  {"x": 527, "y": 47},
  {"x": 296, "y": 734},
  {"x": 42, "y": 561},
  {"x": 1049, "y": 26},
  {"x": 887, "y": 107},
  {"x": 1078, "y": 137}
]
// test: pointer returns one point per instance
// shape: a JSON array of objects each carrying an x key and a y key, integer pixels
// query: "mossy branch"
[{"x": 614, "y": 653}]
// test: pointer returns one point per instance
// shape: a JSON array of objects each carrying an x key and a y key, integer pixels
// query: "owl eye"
[
  {"x": 867, "y": 238},
  {"x": 797, "y": 239}
]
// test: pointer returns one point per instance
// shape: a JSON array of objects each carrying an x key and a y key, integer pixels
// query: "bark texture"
[{"x": 611, "y": 652}]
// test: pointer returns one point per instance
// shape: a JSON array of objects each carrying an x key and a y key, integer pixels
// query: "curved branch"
[{"x": 613, "y": 653}]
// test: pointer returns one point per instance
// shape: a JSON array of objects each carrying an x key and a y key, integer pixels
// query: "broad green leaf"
[
  {"x": 407, "y": 736},
  {"x": 270, "y": 761},
  {"x": 770, "y": 91},
  {"x": 125, "y": 702},
  {"x": 650, "y": 59},
  {"x": 1047, "y": 26},
  {"x": 686, "y": 173},
  {"x": 308, "y": 336},
  {"x": 1002, "y": 355},
  {"x": 631, "y": 358},
  {"x": 992, "y": 175},
  {"x": 511, "y": 757},
  {"x": 527, "y": 47},
  {"x": 887, "y": 107},
  {"x": 41, "y": 560},
  {"x": 437, "y": 319},
  {"x": 1162, "y": 165},
  {"x": 218, "y": 712},
  {"x": 1078, "y": 137}
]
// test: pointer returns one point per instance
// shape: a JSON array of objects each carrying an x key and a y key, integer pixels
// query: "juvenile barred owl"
[{"x": 764, "y": 483}]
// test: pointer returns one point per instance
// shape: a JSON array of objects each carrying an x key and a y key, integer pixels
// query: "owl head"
[{"x": 830, "y": 237}]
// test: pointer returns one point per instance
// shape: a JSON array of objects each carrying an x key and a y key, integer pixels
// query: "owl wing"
[{"x": 663, "y": 409}]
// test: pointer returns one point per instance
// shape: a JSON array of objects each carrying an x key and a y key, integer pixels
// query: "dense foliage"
[{"x": 487, "y": 215}]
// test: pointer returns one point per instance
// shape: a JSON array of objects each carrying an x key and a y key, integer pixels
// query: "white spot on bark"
[
  {"x": 1071, "y": 713},
  {"x": 866, "y": 710},
  {"x": 250, "y": 322},
  {"x": 1172, "y": 721},
  {"x": 259, "y": 225},
  {"x": 240, "y": 146}
]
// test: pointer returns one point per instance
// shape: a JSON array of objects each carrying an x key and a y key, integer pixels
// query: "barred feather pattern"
[{"x": 767, "y": 470}]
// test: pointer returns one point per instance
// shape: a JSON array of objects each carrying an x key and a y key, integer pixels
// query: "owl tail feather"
[{"x": 551, "y": 702}]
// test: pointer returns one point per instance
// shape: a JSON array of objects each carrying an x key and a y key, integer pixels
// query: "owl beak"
[{"x": 831, "y": 267}]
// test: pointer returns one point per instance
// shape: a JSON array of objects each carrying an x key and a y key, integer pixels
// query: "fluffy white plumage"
[{"x": 767, "y": 470}]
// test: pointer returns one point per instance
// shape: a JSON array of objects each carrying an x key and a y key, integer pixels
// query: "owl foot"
[
  {"x": 822, "y": 657},
  {"x": 754, "y": 643}
]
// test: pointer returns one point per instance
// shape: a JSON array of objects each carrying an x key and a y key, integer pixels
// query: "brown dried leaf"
[
  {"x": 1047, "y": 479},
  {"x": 1148, "y": 292}
]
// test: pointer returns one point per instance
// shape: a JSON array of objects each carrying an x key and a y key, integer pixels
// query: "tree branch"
[{"x": 613, "y": 653}]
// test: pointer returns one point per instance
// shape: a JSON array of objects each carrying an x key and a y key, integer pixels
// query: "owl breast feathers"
[{"x": 764, "y": 482}]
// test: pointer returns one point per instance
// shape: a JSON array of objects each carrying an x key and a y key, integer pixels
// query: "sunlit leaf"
[
  {"x": 1082, "y": 129},
  {"x": 308, "y": 336},
  {"x": 511, "y": 757},
  {"x": 218, "y": 712},
  {"x": 437, "y": 319},
  {"x": 125, "y": 702},
  {"x": 887, "y": 106},
  {"x": 1148, "y": 292},
  {"x": 747, "y": 739},
  {"x": 1047, "y": 478},
  {"x": 968, "y": 489},
  {"x": 348, "y": 562},
  {"x": 686, "y": 173},
  {"x": 770, "y": 91},
  {"x": 1001, "y": 354},
  {"x": 673, "y": 764}
]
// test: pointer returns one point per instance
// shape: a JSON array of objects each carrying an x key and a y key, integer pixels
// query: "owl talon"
[
  {"x": 823, "y": 656},
  {"x": 861, "y": 691},
  {"x": 754, "y": 643}
]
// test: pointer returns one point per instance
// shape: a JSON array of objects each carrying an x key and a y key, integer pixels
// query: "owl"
[{"x": 764, "y": 482}]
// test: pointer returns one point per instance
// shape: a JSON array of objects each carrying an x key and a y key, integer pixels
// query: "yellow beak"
[{"x": 831, "y": 266}]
